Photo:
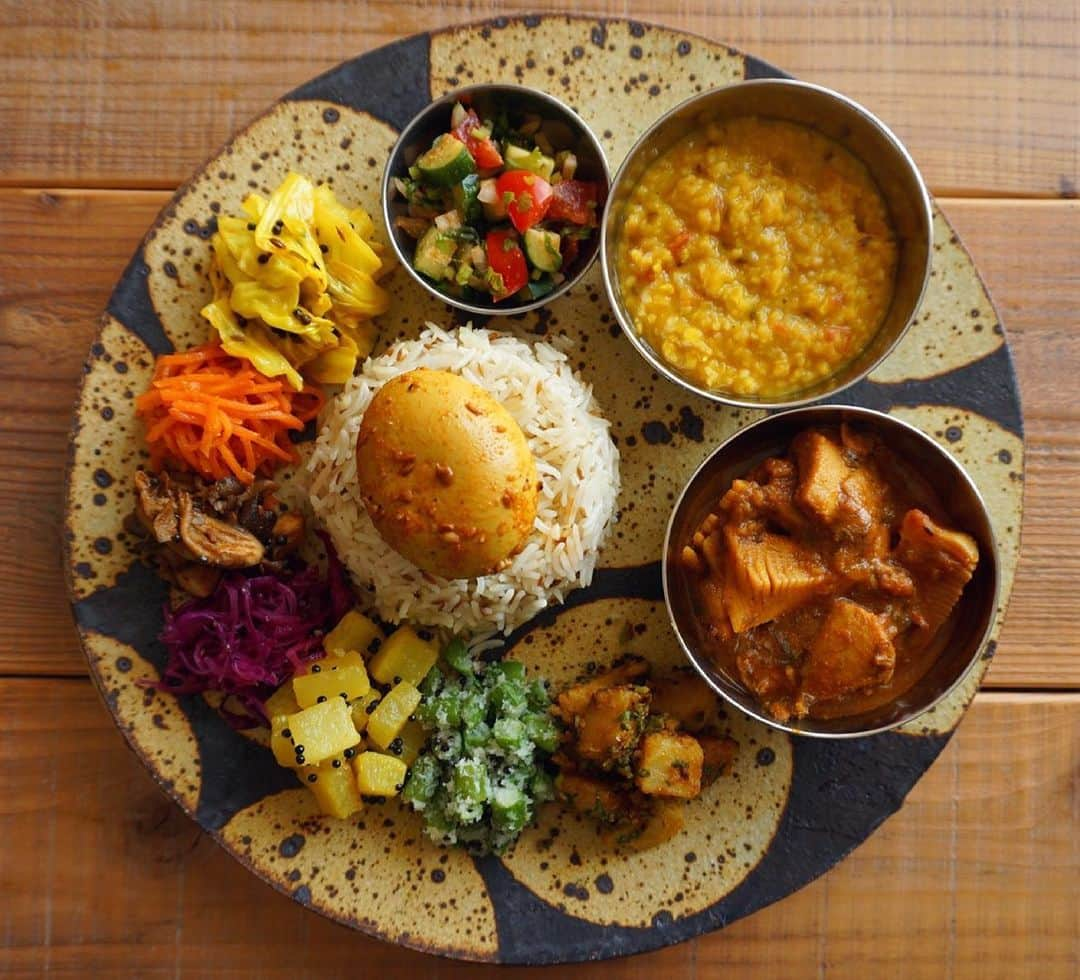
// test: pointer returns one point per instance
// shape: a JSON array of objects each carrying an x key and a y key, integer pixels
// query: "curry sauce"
[{"x": 825, "y": 579}]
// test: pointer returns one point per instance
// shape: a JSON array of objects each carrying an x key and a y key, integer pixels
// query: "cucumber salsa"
[{"x": 495, "y": 208}]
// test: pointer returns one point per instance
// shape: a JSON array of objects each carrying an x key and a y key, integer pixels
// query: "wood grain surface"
[
  {"x": 106, "y": 106},
  {"x": 131, "y": 93}
]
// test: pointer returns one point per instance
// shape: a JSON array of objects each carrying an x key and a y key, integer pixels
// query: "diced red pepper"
[
  {"x": 483, "y": 151},
  {"x": 508, "y": 260},
  {"x": 527, "y": 197},
  {"x": 576, "y": 201}
]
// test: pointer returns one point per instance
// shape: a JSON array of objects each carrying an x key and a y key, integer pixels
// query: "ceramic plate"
[{"x": 791, "y": 808}]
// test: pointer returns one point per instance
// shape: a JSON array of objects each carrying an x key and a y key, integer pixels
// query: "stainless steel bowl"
[
  {"x": 853, "y": 127},
  {"x": 771, "y": 436},
  {"x": 435, "y": 119}
]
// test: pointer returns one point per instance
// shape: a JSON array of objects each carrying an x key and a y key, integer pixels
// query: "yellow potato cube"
[
  {"x": 333, "y": 783},
  {"x": 404, "y": 657},
  {"x": 409, "y": 742},
  {"x": 388, "y": 719},
  {"x": 343, "y": 676},
  {"x": 323, "y": 730},
  {"x": 281, "y": 702},
  {"x": 378, "y": 774},
  {"x": 354, "y": 631},
  {"x": 281, "y": 744},
  {"x": 362, "y": 708}
]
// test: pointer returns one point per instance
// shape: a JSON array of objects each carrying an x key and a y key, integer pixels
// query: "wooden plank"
[
  {"x": 63, "y": 250},
  {"x": 1037, "y": 293},
  {"x": 975, "y": 877},
  {"x": 137, "y": 94}
]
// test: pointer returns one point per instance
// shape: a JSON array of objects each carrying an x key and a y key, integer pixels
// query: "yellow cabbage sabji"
[{"x": 294, "y": 284}]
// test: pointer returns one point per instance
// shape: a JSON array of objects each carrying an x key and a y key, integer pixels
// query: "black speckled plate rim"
[{"x": 841, "y": 791}]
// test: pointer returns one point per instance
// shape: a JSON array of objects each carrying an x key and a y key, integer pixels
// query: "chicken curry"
[{"x": 825, "y": 580}]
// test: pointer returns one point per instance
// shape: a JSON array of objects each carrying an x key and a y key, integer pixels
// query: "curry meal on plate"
[
  {"x": 825, "y": 578},
  {"x": 496, "y": 206},
  {"x": 352, "y": 529},
  {"x": 756, "y": 257}
]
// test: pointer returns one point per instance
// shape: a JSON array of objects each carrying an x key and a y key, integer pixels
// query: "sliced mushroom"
[
  {"x": 215, "y": 542},
  {"x": 156, "y": 508}
]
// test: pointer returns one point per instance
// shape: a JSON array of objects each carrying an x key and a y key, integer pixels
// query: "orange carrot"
[{"x": 213, "y": 413}]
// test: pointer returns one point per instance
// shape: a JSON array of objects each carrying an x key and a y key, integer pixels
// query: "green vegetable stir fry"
[{"x": 481, "y": 776}]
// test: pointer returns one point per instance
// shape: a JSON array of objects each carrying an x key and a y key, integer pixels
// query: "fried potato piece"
[
  {"x": 593, "y": 797},
  {"x": 609, "y": 729},
  {"x": 670, "y": 764},
  {"x": 658, "y": 823},
  {"x": 574, "y": 700},
  {"x": 718, "y": 752}
]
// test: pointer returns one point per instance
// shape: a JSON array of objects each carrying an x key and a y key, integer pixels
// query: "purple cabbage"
[{"x": 252, "y": 634}]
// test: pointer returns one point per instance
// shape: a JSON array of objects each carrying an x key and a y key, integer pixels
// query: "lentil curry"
[
  {"x": 826, "y": 579},
  {"x": 756, "y": 257}
]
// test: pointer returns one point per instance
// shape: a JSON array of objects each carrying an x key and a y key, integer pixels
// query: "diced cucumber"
[
  {"x": 423, "y": 780},
  {"x": 470, "y": 781},
  {"x": 509, "y": 732},
  {"x": 543, "y": 731},
  {"x": 447, "y": 162},
  {"x": 534, "y": 160},
  {"x": 542, "y": 786},
  {"x": 537, "y": 694},
  {"x": 543, "y": 249},
  {"x": 509, "y": 809},
  {"x": 456, "y": 654},
  {"x": 473, "y": 709},
  {"x": 537, "y": 288},
  {"x": 430, "y": 685},
  {"x": 511, "y": 670},
  {"x": 476, "y": 736},
  {"x": 466, "y": 196},
  {"x": 434, "y": 253}
]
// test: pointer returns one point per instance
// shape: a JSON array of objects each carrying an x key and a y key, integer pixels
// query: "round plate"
[{"x": 791, "y": 808}]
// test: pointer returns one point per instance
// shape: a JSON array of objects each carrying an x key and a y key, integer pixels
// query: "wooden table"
[{"x": 105, "y": 107}]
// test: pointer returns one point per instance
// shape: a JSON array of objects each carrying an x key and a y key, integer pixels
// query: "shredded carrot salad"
[{"x": 215, "y": 414}]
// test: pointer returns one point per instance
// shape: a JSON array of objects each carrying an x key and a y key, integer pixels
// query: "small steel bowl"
[
  {"x": 771, "y": 436},
  {"x": 417, "y": 137},
  {"x": 844, "y": 121}
]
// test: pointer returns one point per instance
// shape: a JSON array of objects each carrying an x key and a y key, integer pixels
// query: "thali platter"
[{"x": 792, "y": 807}]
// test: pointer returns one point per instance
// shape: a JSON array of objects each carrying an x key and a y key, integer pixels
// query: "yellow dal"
[{"x": 756, "y": 257}]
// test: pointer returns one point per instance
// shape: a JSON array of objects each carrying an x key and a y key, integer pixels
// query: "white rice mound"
[{"x": 576, "y": 460}]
